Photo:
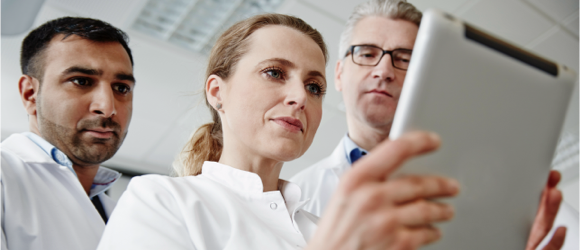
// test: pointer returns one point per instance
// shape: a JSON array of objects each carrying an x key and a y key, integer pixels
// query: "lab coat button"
[{"x": 273, "y": 206}]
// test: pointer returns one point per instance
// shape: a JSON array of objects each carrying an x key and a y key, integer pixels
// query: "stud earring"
[{"x": 218, "y": 106}]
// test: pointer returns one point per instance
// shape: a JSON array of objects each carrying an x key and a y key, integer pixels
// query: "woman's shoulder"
[
  {"x": 154, "y": 184},
  {"x": 153, "y": 181}
]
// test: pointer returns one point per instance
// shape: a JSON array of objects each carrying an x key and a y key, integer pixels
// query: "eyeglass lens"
[{"x": 371, "y": 56}]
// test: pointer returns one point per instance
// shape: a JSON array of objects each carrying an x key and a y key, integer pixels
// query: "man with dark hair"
[{"x": 77, "y": 88}]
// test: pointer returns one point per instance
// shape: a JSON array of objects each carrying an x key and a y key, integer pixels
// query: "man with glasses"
[{"x": 375, "y": 49}]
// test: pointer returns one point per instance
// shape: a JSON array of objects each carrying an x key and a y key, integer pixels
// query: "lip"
[
  {"x": 102, "y": 133},
  {"x": 380, "y": 91},
  {"x": 289, "y": 123}
]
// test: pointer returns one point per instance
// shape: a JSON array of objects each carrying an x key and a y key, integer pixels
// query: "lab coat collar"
[
  {"x": 57, "y": 155},
  {"x": 242, "y": 182},
  {"x": 250, "y": 185},
  {"x": 338, "y": 161},
  {"x": 31, "y": 152},
  {"x": 104, "y": 180},
  {"x": 26, "y": 149}
]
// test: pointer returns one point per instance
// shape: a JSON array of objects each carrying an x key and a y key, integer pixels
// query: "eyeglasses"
[{"x": 369, "y": 55}]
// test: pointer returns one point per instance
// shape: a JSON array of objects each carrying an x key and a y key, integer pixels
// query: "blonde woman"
[{"x": 265, "y": 84}]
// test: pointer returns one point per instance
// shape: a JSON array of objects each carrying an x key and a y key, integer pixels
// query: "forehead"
[
  {"x": 276, "y": 41},
  {"x": 77, "y": 51},
  {"x": 384, "y": 32}
]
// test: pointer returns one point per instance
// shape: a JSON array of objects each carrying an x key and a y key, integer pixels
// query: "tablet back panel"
[{"x": 499, "y": 111}]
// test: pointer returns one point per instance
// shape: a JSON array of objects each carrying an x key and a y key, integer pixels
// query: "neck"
[
  {"x": 366, "y": 136},
  {"x": 86, "y": 175},
  {"x": 267, "y": 169}
]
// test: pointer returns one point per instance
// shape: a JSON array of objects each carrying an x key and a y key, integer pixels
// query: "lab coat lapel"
[{"x": 32, "y": 155}]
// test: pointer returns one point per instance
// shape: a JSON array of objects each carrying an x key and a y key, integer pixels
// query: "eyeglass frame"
[{"x": 390, "y": 52}]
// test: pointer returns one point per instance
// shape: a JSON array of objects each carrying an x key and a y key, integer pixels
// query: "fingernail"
[
  {"x": 453, "y": 186},
  {"x": 450, "y": 211},
  {"x": 434, "y": 136}
]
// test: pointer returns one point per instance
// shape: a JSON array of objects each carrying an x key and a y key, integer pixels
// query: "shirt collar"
[
  {"x": 352, "y": 151},
  {"x": 104, "y": 179},
  {"x": 57, "y": 155}
]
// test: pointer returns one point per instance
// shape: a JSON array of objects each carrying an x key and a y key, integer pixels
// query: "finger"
[
  {"x": 413, "y": 238},
  {"x": 549, "y": 206},
  {"x": 422, "y": 213},
  {"x": 388, "y": 156},
  {"x": 410, "y": 188},
  {"x": 554, "y": 178},
  {"x": 557, "y": 240}
]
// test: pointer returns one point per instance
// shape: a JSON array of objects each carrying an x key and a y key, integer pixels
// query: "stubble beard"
[{"x": 81, "y": 151}]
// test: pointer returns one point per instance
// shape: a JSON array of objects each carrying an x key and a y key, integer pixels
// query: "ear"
[
  {"x": 29, "y": 87},
  {"x": 338, "y": 75},
  {"x": 213, "y": 87}
]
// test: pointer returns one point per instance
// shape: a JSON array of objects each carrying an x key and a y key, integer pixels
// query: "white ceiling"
[{"x": 167, "y": 108}]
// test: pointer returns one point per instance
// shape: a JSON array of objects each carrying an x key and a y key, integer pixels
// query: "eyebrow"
[
  {"x": 97, "y": 72},
  {"x": 280, "y": 61},
  {"x": 86, "y": 71},
  {"x": 125, "y": 77},
  {"x": 290, "y": 64},
  {"x": 372, "y": 44}
]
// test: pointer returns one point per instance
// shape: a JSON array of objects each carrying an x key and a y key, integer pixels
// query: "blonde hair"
[
  {"x": 207, "y": 142},
  {"x": 395, "y": 9}
]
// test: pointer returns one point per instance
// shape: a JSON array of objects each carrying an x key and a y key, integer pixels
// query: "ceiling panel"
[
  {"x": 338, "y": 10},
  {"x": 449, "y": 6},
  {"x": 572, "y": 23},
  {"x": 556, "y": 9},
  {"x": 498, "y": 17},
  {"x": 115, "y": 12}
]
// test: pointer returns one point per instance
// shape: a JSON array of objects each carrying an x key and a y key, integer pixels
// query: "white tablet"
[{"x": 499, "y": 110}]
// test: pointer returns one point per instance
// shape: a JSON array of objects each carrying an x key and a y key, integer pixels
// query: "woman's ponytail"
[{"x": 204, "y": 145}]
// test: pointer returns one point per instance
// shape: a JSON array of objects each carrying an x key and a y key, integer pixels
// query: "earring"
[{"x": 218, "y": 106}]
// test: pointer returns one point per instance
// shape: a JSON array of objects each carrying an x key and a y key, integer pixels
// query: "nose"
[
  {"x": 103, "y": 101},
  {"x": 384, "y": 70},
  {"x": 296, "y": 95}
]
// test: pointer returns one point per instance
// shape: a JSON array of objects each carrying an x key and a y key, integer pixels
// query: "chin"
[{"x": 285, "y": 151}]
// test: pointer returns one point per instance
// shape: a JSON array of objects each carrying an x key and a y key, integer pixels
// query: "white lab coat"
[
  {"x": 44, "y": 205},
  {"x": 319, "y": 181},
  {"x": 222, "y": 208}
]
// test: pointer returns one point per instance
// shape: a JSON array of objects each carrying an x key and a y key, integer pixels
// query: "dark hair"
[{"x": 37, "y": 40}]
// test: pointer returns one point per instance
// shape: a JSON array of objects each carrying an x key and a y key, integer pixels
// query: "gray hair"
[{"x": 395, "y": 9}]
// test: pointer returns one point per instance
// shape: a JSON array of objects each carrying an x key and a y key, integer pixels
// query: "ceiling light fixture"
[{"x": 196, "y": 24}]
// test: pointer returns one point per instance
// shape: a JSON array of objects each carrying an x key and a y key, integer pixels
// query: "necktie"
[{"x": 356, "y": 154}]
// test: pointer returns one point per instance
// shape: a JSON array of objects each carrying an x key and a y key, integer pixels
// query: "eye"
[
  {"x": 315, "y": 89},
  {"x": 275, "y": 73},
  {"x": 81, "y": 81},
  {"x": 368, "y": 55},
  {"x": 122, "y": 88}
]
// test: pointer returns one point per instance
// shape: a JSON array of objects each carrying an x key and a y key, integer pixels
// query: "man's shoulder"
[
  {"x": 316, "y": 169},
  {"x": 18, "y": 147},
  {"x": 332, "y": 164}
]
